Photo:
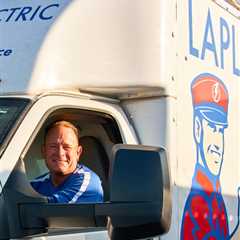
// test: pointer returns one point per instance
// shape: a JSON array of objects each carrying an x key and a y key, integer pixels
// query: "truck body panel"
[
  {"x": 160, "y": 73},
  {"x": 207, "y": 50}
]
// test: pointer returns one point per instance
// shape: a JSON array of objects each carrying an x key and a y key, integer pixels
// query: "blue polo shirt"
[{"x": 83, "y": 186}]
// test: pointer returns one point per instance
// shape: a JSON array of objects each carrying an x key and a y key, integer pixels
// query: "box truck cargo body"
[{"x": 152, "y": 87}]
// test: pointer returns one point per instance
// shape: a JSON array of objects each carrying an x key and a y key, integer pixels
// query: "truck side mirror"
[{"x": 140, "y": 181}]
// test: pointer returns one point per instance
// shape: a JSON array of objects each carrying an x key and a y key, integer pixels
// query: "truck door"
[{"x": 101, "y": 126}]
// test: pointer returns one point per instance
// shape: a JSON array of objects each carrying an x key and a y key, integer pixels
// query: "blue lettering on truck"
[
  {"x": 24, "y": 14},
  {"x": 5, "y": 52},
  {"x": 218, "y": 46},
  {"x": 28, "y": 13}
]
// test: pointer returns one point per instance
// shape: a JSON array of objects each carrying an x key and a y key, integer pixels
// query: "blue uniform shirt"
[{"x": 83, "y": 186}]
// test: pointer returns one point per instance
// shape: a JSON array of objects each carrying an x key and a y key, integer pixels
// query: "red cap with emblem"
[{"x": 210, "y": 97}]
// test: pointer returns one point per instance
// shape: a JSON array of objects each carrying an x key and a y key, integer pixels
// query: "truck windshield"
[{"x": 10, "y": 111}]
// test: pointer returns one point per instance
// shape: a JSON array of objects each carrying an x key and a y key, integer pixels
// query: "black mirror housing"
[{"x": 139, "y": 178}]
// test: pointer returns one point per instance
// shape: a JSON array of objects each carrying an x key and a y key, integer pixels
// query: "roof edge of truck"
[{"x": 109, "y": 93}]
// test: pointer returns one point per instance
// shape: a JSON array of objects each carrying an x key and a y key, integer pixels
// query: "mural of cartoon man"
[{"x": 205, "y": 215}]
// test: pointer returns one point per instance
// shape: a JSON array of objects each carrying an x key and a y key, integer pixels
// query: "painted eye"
[{"x": 212, "y": 126}]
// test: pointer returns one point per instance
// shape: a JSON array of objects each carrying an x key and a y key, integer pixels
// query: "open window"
[{"x": 98, "y": 133}]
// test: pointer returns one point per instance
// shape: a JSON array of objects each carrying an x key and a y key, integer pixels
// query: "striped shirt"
[{"x": 83, "y": 186}]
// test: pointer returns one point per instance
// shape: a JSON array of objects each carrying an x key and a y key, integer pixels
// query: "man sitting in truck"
[{"x": 67, "y": 181}]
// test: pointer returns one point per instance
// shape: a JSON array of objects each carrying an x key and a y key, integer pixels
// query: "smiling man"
[
  {"x": 67, "y": 181},
  {"x": 205, "y": 215}
]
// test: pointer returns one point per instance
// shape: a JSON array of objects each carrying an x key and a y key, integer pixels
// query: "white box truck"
[{"x": 153, "y": 88}]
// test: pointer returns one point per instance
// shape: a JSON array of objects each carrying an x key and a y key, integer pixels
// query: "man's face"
[
  {"x": 61, "y": 150},
  {"x": 213, "y": 145}
]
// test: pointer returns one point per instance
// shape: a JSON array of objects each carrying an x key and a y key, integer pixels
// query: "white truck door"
[{"x": 52, "y": 107}]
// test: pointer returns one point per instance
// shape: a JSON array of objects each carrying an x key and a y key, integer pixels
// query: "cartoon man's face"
[
  {"x": 210, "y": 140},
  {"x": 210, "y": 104},
  {"x": 212, "y": 145}
]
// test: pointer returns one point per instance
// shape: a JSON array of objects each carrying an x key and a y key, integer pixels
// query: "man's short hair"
[{"x": 64, "y": 124}]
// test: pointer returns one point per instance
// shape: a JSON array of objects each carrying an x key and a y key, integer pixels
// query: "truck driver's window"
[{"x": 98, "y": 133}]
